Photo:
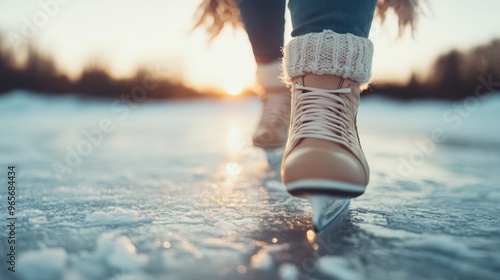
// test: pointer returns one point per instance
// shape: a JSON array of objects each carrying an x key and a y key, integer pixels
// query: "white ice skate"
[
  {"x": 323, "y": 160},
  {"x": 272, "y": 131}
]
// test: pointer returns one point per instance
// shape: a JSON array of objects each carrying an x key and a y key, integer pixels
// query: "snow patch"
[
  {"x": 181, "y": 254},
  {"x": 224, "y": 244},
  {"x": 275, "y": 185},
  {"x": 226, "y": 226},
  {"x": 119, "y": 253},
  {"x": 111, "y": 254},
  {"x": 112, "y": 215},
  {"x": 42, "y": 264},
  {"x": 443, "y": 244},
  {"x": 131, "y": 276},
  {"x": 340, "y": 268},
  {"x": 288, "y": 271},
  {"x": 36, "y": 221},
  {"x": 263, "y": 259}
]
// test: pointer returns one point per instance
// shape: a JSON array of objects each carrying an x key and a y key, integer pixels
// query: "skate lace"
[
  {"x": 276, "y": 110},
  {"x": 322, "y": 114}
]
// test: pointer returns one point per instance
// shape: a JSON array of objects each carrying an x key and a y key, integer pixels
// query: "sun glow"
[
  {"x": 233, "y": 87},
  {"x": 226, "y": 63}
]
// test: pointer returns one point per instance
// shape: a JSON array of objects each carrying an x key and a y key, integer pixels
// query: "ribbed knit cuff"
[{"x": 328, "y": 53}]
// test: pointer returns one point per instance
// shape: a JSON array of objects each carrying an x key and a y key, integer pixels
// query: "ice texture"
[{"x": 175, "y": 190}]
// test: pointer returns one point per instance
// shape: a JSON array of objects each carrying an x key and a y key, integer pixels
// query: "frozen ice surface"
[
  {"x": 176, "y": 191},
  {"x": 339, "y": 268}
]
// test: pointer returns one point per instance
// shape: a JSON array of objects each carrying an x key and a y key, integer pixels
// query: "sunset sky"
[{"x": 123, "y": 34}]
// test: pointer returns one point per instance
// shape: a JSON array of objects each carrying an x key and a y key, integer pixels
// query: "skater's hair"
[
  {"x": 213, "y": 15},
  {"x": 408, "y": 12}
]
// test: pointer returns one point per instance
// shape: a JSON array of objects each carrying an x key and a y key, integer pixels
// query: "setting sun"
[
  {"x": 233, "y": 87},
  {"x": 228, "y": 63}
]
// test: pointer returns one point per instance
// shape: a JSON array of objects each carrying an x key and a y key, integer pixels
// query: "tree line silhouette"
[
  {"x": 454, "y": 76},
  {"x": 39, "y": 75}
]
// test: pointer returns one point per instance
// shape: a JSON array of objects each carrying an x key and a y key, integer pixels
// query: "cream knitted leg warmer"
[
  {"x": 328, "y": 53},
  {"x": 268, "y": 77}
]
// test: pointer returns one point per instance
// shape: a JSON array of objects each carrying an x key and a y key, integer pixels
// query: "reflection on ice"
[
  {"x": 234, "y": 137},
  {"x": 233, "y": 169},
  {"x": 311, "y": 236}
]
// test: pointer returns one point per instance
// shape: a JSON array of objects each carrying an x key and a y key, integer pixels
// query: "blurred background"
[
  {"x": 131, "y": 137},
  {"x": 99, "y": 49}
]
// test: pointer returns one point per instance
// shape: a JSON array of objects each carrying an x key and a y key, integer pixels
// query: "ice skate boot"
[
  {"x": 323, "y": 160},
  {"x": 272, "y": 130}
]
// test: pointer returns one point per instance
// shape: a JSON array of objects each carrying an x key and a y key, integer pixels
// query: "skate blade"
[
  {"x": 274, "y": 155},
  {"x": 326, "y": 210}
]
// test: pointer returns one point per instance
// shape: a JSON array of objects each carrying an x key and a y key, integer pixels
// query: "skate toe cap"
[{"x": 324, "y": 164}]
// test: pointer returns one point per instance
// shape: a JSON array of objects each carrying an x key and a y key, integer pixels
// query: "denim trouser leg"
[
  {"x": 330, "y": 38},
  {"x": 265, "y": 24},
  {"x": 264, "y": 21},
  {"x": 341, "y": 16}
]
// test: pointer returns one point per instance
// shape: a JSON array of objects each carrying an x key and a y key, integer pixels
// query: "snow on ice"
[{"x": 177, "y": 191}]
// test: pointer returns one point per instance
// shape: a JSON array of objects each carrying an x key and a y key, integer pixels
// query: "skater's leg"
[
  {"x": 325, "y": 62},
  {"x": 341, "y": 16},
  {"x": 264, "y": 22},
  {"x": 333, "y": 36}
]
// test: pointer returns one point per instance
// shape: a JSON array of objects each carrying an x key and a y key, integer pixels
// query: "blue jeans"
[{"x": 264, "y": 21}]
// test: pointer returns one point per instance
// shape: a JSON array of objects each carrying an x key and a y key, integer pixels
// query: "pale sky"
[{"x": 123, "y": 34}]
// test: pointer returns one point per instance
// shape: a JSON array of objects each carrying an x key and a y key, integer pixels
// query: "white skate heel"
[{"x": 327, "y": 210}]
